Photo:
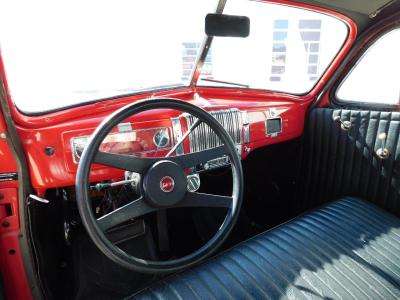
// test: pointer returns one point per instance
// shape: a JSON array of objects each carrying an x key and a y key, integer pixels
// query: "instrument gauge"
[{"x": 161, "y": 138}]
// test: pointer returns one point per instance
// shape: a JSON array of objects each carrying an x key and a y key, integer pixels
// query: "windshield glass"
[
  {"x": 61, "y": 54},
  {"x": 58, "y": 54},
  {"x": 288, "y": 49}
]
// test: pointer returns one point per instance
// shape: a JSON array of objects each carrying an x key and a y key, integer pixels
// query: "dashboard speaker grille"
[{"x": 203, "y": 137}]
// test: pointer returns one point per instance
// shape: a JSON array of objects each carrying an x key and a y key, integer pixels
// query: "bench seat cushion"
[{"x": 347, "y": 249}]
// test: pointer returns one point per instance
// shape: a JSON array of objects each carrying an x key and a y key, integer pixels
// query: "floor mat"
[{"x": 97, "y": 277}]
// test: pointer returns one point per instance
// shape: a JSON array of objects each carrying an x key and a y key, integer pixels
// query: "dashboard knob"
[{"x": 193, "y": 182}]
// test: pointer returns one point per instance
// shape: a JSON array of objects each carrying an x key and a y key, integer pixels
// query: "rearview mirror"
[{"x": 227, "y": 25}]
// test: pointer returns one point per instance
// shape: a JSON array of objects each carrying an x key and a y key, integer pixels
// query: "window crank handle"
[
  {"x": 383, "y": 152},
  {"x": 345, "y": 125}
]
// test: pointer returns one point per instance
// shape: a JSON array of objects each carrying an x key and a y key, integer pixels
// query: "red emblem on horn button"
[{"x": 167, "y": 184}]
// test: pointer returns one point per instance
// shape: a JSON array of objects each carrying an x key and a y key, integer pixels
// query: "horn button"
[{"x": 165, "y": 184}]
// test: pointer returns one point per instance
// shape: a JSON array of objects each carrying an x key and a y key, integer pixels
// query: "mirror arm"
[{"x": 204, "y": 48}]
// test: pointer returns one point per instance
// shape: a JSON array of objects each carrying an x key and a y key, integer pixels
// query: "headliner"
[
  {"x": 364, "y": 7},
  {"x": 361, "y": 11}
]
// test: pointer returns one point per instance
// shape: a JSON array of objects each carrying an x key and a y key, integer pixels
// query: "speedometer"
[{"x": 161, "y": 138}]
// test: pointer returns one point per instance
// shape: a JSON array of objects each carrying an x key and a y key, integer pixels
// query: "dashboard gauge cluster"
[{"x": 139, "y": 142}]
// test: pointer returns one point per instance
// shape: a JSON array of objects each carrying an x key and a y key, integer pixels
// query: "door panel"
[{"x": 338, "y": 162}]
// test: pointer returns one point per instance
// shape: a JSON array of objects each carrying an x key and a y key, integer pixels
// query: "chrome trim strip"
[
  {"x": 8, "y": 176},
  {"x": 177, "y": 131},
  {"x": 246, "y": 127}
]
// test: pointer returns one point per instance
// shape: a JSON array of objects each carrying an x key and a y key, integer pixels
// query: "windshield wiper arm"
[{"x": 226, "y": 82}]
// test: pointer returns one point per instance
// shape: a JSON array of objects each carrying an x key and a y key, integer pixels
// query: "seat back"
[{"x": 338, "y": 162}]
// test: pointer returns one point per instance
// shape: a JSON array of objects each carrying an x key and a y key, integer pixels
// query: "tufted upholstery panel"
[{"x": 338, "y": 163}]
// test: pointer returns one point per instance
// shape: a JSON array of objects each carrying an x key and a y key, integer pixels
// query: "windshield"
[
  {"x": 58, "y": 55},
  {"x": 288, "y": 49}
]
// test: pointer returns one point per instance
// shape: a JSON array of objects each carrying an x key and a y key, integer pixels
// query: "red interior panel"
[{"x": 59, "y": 168}]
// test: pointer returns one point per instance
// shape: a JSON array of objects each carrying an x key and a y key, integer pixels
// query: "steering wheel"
[{"x": 164, "y": 185}]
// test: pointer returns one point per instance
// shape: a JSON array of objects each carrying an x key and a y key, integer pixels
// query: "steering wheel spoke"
[
  {"x": 129, "y": 211},
  {"x": 139, "y": 165},
  {"x": 194, "y": 199},
  {"x": 195, "y": 158},
  {"x": 124, "y": 161},
  {"x": 139, "y": 208}
]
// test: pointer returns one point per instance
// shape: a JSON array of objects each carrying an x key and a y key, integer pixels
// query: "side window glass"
[{"x": 376, "y": 76}]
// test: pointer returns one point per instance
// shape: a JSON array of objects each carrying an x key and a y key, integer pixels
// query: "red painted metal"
[
  {"x": 12, "y": 268},
  {"x": 11, "y": 263},
  {"x": 7, "y": 164},
  {"x": 59, "y": 169}
]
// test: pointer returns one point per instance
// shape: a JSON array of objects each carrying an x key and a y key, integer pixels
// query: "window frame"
[{"x": 365, "y": 47}]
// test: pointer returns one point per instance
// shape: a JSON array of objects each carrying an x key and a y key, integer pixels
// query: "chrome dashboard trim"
[
  {"x": 246, "y": 127},
  {"x": 177, "y": 131},
  {"x": 203, "y": 137}
]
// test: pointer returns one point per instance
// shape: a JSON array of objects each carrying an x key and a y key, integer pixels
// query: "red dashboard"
[{"x": 52, "y": 150}]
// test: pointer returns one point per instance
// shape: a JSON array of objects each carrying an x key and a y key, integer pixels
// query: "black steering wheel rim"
[{"x": 84, "y": 204}]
